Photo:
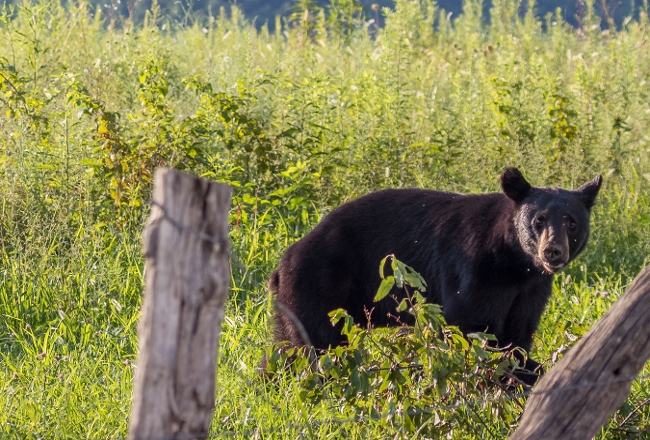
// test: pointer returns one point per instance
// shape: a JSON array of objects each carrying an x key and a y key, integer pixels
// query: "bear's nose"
[{"x": 554, "y": 254}]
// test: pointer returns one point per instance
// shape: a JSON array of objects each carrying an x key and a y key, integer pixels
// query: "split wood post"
[
  {"x": 187, "y": 278},
  {"x": 575, "y": 399}
]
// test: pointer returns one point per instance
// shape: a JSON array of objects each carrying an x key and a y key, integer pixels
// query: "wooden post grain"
[
  {"x": 187, "y": 278},
  {"x": 575, "y": 399}
]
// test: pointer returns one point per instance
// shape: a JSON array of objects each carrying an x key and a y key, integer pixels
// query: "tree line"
[{"x": 261, "y": 12}]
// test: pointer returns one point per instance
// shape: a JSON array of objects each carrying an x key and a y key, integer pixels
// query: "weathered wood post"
[
  {"x": 187, "y": 278},
  {"x": 575, "y": 399}
]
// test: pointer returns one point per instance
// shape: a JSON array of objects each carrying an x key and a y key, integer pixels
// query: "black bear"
[{"x": 488, "y": 259}]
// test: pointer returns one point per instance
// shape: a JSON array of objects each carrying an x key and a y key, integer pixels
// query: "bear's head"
[{"x": 552, "y": 224}]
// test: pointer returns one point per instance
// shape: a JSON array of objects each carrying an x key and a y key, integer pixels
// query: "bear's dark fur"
[{"x": 488, "y": 259}]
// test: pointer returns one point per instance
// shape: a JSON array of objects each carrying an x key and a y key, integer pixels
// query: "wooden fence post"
[
  {"x": 187, "y": 277},
  {"x": 575, "y": 399}
]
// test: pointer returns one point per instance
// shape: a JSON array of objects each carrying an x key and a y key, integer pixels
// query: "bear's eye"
[
  {"x": 572, "y": 224},
  {"x": 539, "y": 221}
]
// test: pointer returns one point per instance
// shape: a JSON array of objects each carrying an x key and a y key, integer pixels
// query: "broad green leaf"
[
  {"x": 337, "y": 315},
  {"x": 399, "y": 277},
  {"x": 385, "y": 287}
]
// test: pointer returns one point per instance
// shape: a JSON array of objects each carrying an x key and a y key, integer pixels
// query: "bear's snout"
[
  {"x": 554, "y": 249},
  {"x": 554, "y": 256}
]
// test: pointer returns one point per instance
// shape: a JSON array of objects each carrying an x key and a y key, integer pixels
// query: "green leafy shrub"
[{"x": 426, "y": 379}]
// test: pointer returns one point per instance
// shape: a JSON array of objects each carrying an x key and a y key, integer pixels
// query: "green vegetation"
[{"x": 298, "y": 122}]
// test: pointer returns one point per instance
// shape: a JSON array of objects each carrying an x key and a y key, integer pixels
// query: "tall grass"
[{"x": 298, "y": 122}]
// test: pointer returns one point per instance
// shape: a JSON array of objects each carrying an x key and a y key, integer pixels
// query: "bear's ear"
[
  {"x": 514, "y": 185},
  {"x": 587, "y": 193}
]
